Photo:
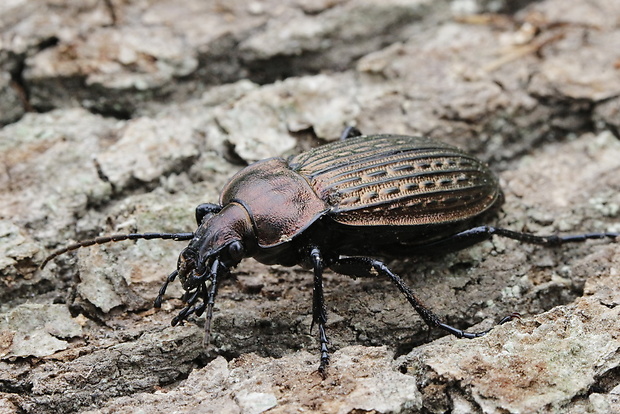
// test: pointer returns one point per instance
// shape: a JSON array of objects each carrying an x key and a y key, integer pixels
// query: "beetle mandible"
[{"x": 340, "y": 206}]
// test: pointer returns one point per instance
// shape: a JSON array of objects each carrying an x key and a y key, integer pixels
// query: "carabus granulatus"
[{"x": 339, "y": 206}]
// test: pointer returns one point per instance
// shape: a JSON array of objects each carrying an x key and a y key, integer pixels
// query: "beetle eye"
[{"x": 236, "y": 251}]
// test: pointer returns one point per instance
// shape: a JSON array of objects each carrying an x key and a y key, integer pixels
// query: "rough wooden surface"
[{"x": 122, "y": 116}]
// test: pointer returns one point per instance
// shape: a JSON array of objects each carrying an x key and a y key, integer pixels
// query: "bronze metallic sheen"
[{"x": 385, "y": 180}]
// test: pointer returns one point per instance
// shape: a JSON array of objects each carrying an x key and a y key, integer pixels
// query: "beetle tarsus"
[
  {"x": 319, "y": 313},
  {"x": 459, "y": 333},
  {"x": 209, "y": 300},
  {"x": 511, "y": 317},
  {"x": 470, "y": 335},
  {"x": 324, "y": 352},
  {"x": 162, "y": 289}
]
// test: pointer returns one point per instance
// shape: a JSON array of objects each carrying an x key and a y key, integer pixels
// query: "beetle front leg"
[
  {"x": 205, "y": 209},
  {"x": 209, "y": 301},
  {"x": 319, "y": 314},
  {"x": 368, "y": 267},
  {"x": 164, "y": 287}
]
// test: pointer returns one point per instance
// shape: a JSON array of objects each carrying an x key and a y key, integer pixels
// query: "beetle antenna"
[{"x": 116, "y": 238}]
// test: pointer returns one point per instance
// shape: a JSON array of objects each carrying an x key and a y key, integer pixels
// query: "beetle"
[{"x": 340, "y": 206}]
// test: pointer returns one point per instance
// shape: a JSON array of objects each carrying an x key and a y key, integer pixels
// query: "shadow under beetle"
[{"x": 338, "y": 206}]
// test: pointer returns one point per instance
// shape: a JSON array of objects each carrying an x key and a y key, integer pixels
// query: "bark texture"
[{"x": 122, "y": 116}]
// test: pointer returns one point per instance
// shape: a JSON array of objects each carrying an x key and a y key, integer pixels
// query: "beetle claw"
[
  {"x": 471, "y": 335},
  {"x": 508, "y": 318}
]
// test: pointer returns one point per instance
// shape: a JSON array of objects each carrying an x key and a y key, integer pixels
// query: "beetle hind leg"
[
  {"x": 350, "y": 132},
  {"x": 368, "y": 267},
  {"x": 319, "y": 313},
  {"x": 478, "y": 234}
]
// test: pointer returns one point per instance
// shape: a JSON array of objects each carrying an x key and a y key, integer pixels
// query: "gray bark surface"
[{"x": 123, "y": 116}]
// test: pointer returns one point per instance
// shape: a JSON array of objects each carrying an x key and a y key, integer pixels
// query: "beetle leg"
[
  {"x": 206, "y": 208},
  {"x": 210, "y": 301},
  {"x": 368, "y": 267},
  {"x": 552, "y": 240},
  {"x": 207, "y": 294},
  {"x": 190, "y": 298},
  {"x": 319, "y": 313},
  {"x": 350, "y": 132},
  {"x": 475, "y": 235},
  {"x": 162, "y": 290}
]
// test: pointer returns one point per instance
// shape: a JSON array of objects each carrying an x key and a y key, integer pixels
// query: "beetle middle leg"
[
  {"x": 319, "y": 314},
  {"x": 368, "y": 267}
]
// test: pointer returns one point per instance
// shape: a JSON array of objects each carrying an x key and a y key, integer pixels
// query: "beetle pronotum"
[{"x": 339, "y": 206}]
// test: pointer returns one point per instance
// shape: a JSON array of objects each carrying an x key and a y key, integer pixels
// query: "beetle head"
[{"x": 221, "y": 241}]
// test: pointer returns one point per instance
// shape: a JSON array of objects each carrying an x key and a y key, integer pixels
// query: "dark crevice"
[
  {"x": 19, "y": 85},
  {"x": 569, "y": 115},
  {"x": 306, "y": 139},
  {"x": 118, "y": 104},
  {"x": 203, "y": 360},
  {"x": 182, "y": 375},
  {"x": 47, "y": 43},
  {"x": 223, "y": 63},
  {"x": 281, "y": 67},
  {"x": 558, "y": 120},
  {"x": 232, "y": 156},
  {"x": 512, "y": 6},
  {"x": 25, "y": 292},
  {"x": 16, "y": 67},
  {"x": 20, "y": 388},
  {"x": 122, "y": 114},
  {"x": 606, "y": 382},
  {"x": 615, "y": 130}
]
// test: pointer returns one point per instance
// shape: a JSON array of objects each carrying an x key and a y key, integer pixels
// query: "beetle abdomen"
[{"x": 398, "y": 180}]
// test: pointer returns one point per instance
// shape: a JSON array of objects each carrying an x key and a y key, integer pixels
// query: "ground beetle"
[{"x": 338, "y": 206}]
